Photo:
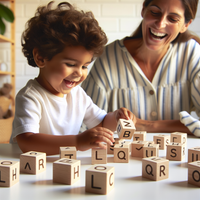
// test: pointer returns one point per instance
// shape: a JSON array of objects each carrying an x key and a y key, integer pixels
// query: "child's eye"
[{"x": 84, "y": 67}]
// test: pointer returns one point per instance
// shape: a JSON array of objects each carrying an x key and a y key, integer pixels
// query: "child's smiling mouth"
[{"x": 69, "y": 84}]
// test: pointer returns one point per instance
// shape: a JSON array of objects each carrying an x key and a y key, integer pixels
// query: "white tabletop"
[{"x": 129, "y": 183}]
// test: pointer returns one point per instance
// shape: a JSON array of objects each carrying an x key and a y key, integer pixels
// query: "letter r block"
[
  {"x": 32, "y": 162},
  {"x": 99, "y": 179},
  {"x": 155, "y": 168},
  {"x": 9, "y": 173},
  {"x": 194, "y": 173},
  {"x": 68, "y": 152},
  {"x": 193, "y": 154}
]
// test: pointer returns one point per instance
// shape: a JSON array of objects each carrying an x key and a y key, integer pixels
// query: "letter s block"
[
  {"x": 155, "y": 168},
  {"x": 99, "y": 179},
  {"x": 175, "y": 151},
  {"x": 66, "y": 171},
  {"x": 194, "y": 173},
  {"x": 32, "y": 162},
  {"x": 9, "y": 173}
]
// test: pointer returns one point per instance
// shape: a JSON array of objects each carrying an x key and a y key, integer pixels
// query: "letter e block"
[
  {"x": 121, "y": 153},
  {"x": 99, "y": 156},
  {"x": 150, "y": 150},
  {"x": 139, "y": 136},
  {"x": 162, "y": 140},
  {"x": 9, "y": 173},
  {"x": 137, "y": 148},
  {"x": 32, "y": 162},
  {"x": 193, "y": 154},
  {"x": 175, "y": 151},
  {"x": 179, "y": 137},
  {"x": 66, "y": 171},
  {"x": 155, "y": 168},
  {"x": 99, "y": 179},
  {"x": 68, "y": 152},
  {"x": 194, "y": 173}
]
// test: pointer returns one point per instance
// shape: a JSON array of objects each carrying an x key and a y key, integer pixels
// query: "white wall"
[{"x": 118, "y": 18}]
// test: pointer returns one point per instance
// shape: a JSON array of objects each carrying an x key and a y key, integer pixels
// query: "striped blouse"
[{"x": 116, "y": 80}]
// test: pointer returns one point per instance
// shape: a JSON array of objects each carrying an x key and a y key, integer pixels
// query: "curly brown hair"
[{"x": 51, "y": 30}]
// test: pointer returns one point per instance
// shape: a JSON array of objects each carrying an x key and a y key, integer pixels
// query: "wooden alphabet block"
[
  {"x": 66, "y": 171},
  {"x": 9, "y": 173},
  {"x": 32, "y": 162},
  {"x": 137, "y": 148},
  {"x": 125, "y": 129},
  {"x": 150, "y": 150},
  {"x": 121, "y": 153},
  {"x": 179, "y": 137},
  {"x": 139, "y": 136},
  {"x": 99, "y": 156},
  {"x": 110, "y": 148},
  {"x": 194, "y": 173},
  {"x": 155, "y": 168},
  {"x": 175, "y": 151},
  {"x": 68, "y": 152},
  {"x": 194, "y": 154},
  {"x": 162, "y": 140},
  {"x": 100, "y": 179}
]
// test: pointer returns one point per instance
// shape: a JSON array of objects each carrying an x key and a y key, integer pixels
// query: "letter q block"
[
  {"x": 32, "y": 162},
  {"x": 194, "y": 173},
  {"x": 9, "y": 173},
  {"x": 99, "y": 179},
  {"x": 121, "y": 153}
]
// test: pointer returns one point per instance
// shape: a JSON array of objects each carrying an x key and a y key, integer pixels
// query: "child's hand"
[{"x": 94, "y": 138}]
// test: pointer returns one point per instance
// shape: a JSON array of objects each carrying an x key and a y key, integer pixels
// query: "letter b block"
[
  {"x": 9, "y": 173},
  {"x": 194, "y": 173},
  {"x": 99, "y": 179},
  {"x": 32, "y": 162}
]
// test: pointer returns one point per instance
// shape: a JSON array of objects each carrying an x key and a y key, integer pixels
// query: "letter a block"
[
  {"x": 139, "y": 136},
  {"x": 175, "y": 151},
  {"x": 66, "y": 171},
  {"x": 162, "y": 140},
  {"x": 121, "y": 153},
  {"x": 9, "y": 173},
  {"x": 32, "y": 162},
  {"x": 137, "y": 148},
  {"x": 193, "y": 154},
  {"x": 99, "y": 179},
  {"x": 150, "y": 150},
  {"x": 68, "y": 152},
  {"x": 194, "y": 173},
  {"x": 99, "y": 156},
  {"x": 155, "y": 168},
  {"x": 179, "y": 137},
  {"x": 125, "y": 129}
]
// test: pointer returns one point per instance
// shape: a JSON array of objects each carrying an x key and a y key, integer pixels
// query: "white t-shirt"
[{"x": 39, "y": 111}]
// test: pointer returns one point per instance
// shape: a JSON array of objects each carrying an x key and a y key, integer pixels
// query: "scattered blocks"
[
  {"x": 162, "y": 140},
  {"x": 66, "y": 171},
  {"x": 194, "y": 173},
  {"x": 139, "y": 136},
  {"x": 194, "y": 154},
  {"x": 155, "y": 168},
  {"x": 121, "y": 153},
  {"x": 99, "y": 156},
  {"x": 175, "y": 151},
  {"x": 137, "y": 148},
  {"x": 9, "y": 173},
  {"x": 32, "y": 162},
  {"x": 125, "y": 129},
  {"x": 150, "y": 150},
  {"x": 99, "y": 179},
  {"x": 179, "y": 137},
  {"x": 68, "y": 152}
]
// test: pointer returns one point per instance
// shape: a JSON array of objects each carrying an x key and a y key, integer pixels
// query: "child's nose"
[{"x": 78, "y": 71}]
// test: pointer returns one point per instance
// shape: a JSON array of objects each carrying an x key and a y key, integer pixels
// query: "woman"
[{"x": 156, "y": 72}]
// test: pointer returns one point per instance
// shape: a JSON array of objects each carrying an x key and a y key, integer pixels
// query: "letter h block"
[
  {"x": 162, "y": 140},
  {"x": 9, "y": 173},
  {"x": 193, "y": 154},
  {"x": 155, "y": 168},
  {"x": 139, "y": 136},
  {"x": 99, "y": 156},
  {"x": 194, "y": 173},
  {"x": 66, "y": 171},
  {"x": 121, "y": 153},
  {"x": 175, "y": 151},
  {"x": 99, "y": 179},
  {"x": 68, "y": 152},
  {"x": 125, "y": 129},
  {"x": 32, "y": 162}
]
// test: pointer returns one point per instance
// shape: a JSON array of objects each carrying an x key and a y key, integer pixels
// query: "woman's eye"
[
  {"x": 154, "y": 13},
  {"x": 70, "y": 65}
]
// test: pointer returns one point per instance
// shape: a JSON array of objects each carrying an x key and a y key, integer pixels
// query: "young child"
[{"x": 50, "y": 109}]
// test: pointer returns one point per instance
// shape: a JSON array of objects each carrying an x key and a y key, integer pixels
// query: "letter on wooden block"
[
  {"x": 121, "y": 153},
  {"x": 155, "y": 168},
  {"x": 99, "y": 156},
  {"x": 150, "y": 150},
  {"x": 162, "y": 140},
  {"x": 66, "y": 171},
  {"x": 139, "y": 136},
  {"x": 194, "y": 154},
  {"x": 100, "y": 179},
  {"x": 194, "y": 173},
  {"x": 9, "y": 173},
  {"x": 137, "y": 148},
  {"x": 32, "y": 162},
  {"x": 175, "y": 151},
  {"x": 125, "y": 129},
  {"x": 179, "y": 137},
  {"x": 110, "y": 148},
  {"x": 68, "y": 152}
]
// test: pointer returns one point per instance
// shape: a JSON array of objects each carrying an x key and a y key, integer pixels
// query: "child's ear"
[{"x": 39, "y": 60}]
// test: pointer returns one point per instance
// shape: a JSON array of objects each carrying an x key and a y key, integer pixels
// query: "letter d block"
[
  {"x": 125, "y": 129},
  {"x": 68, "y": 152},
  {"x": 155, "y": 168},
  {"x": 32, "y": 162},
  {"x": 66, "y": 171},
  {"x": 162, "y": 140},
  {"x": 175, "y": 151},
  {"x": 99, "y": 179},
  {"x": 193, "y": 154},
  {"x": 9, "y": 173},
  {"x": 194, "y": 173}
]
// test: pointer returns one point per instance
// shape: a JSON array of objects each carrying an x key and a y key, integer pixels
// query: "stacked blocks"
[
  {"x": 194, "y": 173},
  {"x": 68, "y": 152}
]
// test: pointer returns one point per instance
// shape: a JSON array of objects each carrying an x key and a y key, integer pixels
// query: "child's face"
[{"x": 65, "y": 70}]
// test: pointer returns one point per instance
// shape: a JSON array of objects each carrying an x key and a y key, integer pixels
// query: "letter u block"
[
  {"x": 32, "y": 162},
  {"x": 121, "y": 153},
  {"x": 139, "y": 136},
  {"x": 193, "y": 154},
  {"x": 175, "y": 151},
  {"x": 68, "y": 152},
  {"x": 155, "y": 168},
  {"x": 179, "y": 137},
  {"x": 194, "y": 173},
  {"x": 125, "y": 129},
  {"x": 99, "y": 156},
  {"x": 99, "y": 179},
  {"x": 150, "y": 150},
  {"x": 66, "y": 171},
  {"x": 9, "y": 173},
  {"x": 162, "y": 140},
  {"x": 137, "y": 148}
]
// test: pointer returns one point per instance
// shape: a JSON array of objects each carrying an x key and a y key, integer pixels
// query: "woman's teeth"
[{"x": 157, "y": 34}]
